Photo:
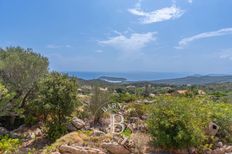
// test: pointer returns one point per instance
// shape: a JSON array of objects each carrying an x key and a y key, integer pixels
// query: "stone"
[
  {"x": 124, "y": 141},
  {"x": 3, "y": 131},
  {"x": 67, "y": 149},
  {"x": 38, "y": 132},
  {"x": 218, "y": 151},
  {"x": 213, "y": 129},
  {"x": 55, "y": 152},
  {"x": 71, "y": 127},
  {"x": 115, "y": 148},
  {"x": 228, "y": 149},
  {"x": 78, "y": 123},
  {"x": 98, "y": 132},
  {"x": 220, "y": 144}
]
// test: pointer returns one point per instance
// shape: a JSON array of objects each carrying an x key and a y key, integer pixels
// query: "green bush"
[
  {"x": 136, "y": 110},
  {"x": 58, "y": 99},
  {"x": 221, "y": 114},
  {"x": 180, "y": 122},
  {"x": 56, "y": 131},
  {"x": 8, "y": 144},
  {"x": 125, "y": 97}
]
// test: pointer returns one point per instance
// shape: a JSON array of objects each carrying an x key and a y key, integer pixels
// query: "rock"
[
  {"x": 115, "y": 148},
  {"x": 134, "y": 119},
  {"x": 98, "y": 132},
  {"x": 213, "y": 129},
  {"x": 144, "y": 117},
  {"x": 38, "y": 132},
  {"x": 78, "y": 123},
  {"x": 218, "y": 151},
  {"x": 55, "y": 152},
  {"x": 66, "y": 149},
  {"x": 148, "y": 149},
  {"x": 71, "y": 127},
  {"x": 3, "y": 131},
  {"x": 220, "y": 144},
  {"x": 124, "y": 141},
  {"x": 228, "y": 149}
]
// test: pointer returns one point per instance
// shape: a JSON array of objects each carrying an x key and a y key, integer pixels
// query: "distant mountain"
[
  {"x": 130, "y": 76},
  {"x": 196, "y": 80},
  {"x": 112, "y": 79}
]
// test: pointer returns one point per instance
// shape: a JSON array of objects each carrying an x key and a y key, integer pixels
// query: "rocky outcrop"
[
  {"x": 67, "y": 149},
  {"x": 115, "y": 148},
  {"x": 76, "y": 124},
  {"x": 222, "y": 150}
]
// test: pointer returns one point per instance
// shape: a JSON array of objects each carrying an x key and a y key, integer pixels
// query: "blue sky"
[{"x": 123, "y": 35}]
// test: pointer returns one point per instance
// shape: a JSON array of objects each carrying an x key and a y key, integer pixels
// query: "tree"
[
  {"x": 20, "y": 69},
  {"x": 58, "y": 97},
  {"x": 5, "y": 96}
]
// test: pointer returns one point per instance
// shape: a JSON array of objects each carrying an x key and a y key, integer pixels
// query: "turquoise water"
[{"x": 130, "y": 76}]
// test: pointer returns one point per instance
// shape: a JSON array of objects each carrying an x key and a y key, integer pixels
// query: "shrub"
[
  {"x": 58, "y": 97},
  {"x": 136, "y": 110},
  {"x": 125, "y": 97},
  {"x": 56, "y": 130},
  {"x": 179, "y": 122},
  {"x": 8, "y": 144}
]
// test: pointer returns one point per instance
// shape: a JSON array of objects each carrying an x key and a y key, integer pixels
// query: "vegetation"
[
  {"x": 20, "y": 69},
  {"x": 5, "y": 96},
  {"x": 178, "y": 115},
  {"x": 58, "y": 97},
  {"x": 8, "y": 145},
  {"x": 180, "y": 122}
]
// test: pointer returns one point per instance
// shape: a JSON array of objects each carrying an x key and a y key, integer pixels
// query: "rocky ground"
[{"x": 84, "y": 139}]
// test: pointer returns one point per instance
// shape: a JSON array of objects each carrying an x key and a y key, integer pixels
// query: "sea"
[{"x": 130, "y": 76}]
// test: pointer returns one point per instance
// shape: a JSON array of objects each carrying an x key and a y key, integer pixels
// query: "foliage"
[
  {"x": 8, "y": 144},
  {"x": 221, "y": 114},
  {"x": 58, "y": 99},
  {"x": 5, "y": 96},
  {"x": 20, "y": 69},
  {"x": 125, "y": 97},
  {"x": 137, "y": 110},
  {"x": 180, "y": 122},
  {"x": 56, "y": 130},
  {"x": 127, "y": 132}
]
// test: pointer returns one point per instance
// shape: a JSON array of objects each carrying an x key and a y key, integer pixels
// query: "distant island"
[{"x": 112, "y": 79}]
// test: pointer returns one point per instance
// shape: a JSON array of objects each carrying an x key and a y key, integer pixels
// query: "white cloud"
[
  {"x": 226, "y": 54},
  {"x": 57, "y": 46},
  {"x": 190, "y": 1},
  {"x": 160, "y": 15},
  {"x": 131, "y": 44},
  {"x": 221, "y": 32}
]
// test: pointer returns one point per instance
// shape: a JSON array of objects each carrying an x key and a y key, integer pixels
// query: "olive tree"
[{"x": 20, "y": 69}]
